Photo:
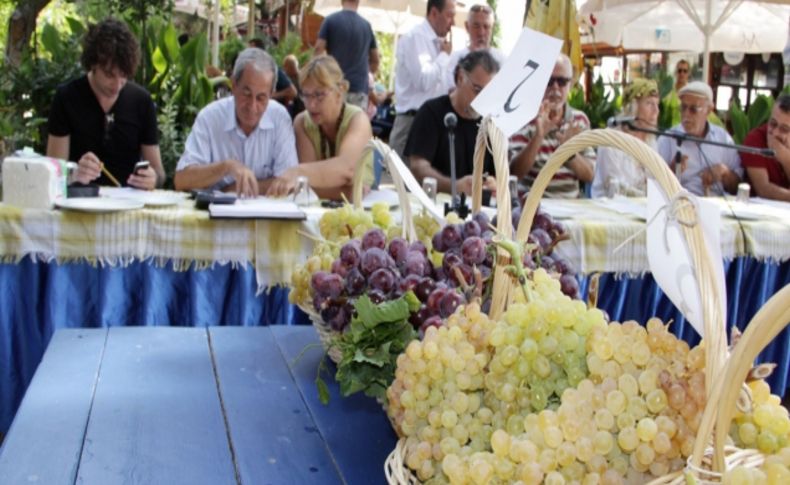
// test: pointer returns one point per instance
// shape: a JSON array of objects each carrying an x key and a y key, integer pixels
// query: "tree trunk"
[{"x": 21, "y": 26}]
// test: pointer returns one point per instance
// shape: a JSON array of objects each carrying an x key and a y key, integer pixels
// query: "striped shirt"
[{"x": 564, "y": 184}]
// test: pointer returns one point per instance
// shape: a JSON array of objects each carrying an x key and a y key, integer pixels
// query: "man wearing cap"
[
  {"x": 704, "y": 169},
  {"x": 531, "y": 146},
  {"x": 770, "y": 177}
]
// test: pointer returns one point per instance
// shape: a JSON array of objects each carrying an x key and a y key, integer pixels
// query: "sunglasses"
[
  {"x": 682, "y": 70},
  {"x": 559, "y": 81}
]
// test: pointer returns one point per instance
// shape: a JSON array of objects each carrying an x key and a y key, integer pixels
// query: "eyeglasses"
[
  {"x": 480, "y": 8},
  {"x": 691, "y": 108},
  {"x": 682, "y": 70},
  {"x": 317, "y": 96},
  {"x": 783, "y": 129},
  {"x": 476, "y": 88},
  {"x": 559, "y": 81}
]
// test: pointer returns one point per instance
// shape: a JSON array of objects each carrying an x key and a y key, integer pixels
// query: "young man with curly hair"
[{"x": 103, "y": 118}]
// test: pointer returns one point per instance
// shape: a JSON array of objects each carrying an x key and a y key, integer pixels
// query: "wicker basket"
[
  {"x": 712, "y": 315},
  {"x": 326, "y": 333}
]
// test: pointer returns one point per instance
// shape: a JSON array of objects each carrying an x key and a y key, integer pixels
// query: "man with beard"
[
  {"x": 428, "y": 147},
  {"x": 531, "y": 147}
]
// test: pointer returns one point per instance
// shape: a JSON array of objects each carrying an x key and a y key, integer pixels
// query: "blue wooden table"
[{"x": 164, "y": 405}]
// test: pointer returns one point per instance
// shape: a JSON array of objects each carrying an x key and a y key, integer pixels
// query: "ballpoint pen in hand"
[{"x": 110, "y": 176}]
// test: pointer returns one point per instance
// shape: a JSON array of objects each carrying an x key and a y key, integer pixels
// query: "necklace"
[{"x": 327, "y": 145}]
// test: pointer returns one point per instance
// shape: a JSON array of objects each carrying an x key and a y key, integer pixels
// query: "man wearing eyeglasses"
[
  {"x": 240, "y": 143},
  {"x": 428, "y": 147},
  {"x": 705, "y": 169},
  {"x": 104, "y": 120},
  {"x": 531, "y": 147},
  {"x": 422, "y": 64},
  {"x": 480, "y": 26},
  {"x": 770, "y": 177}
]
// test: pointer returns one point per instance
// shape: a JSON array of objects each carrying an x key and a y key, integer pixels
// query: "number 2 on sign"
[{"x": 530, "y": 65}]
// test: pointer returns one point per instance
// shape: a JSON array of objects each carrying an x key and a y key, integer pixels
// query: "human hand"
[
  {"x": 780, "y": 147},
  {"x": 549, "y": 118},
  {"x": 246, "y": 183},
  {"x": 683, "y": 164},
  {"x": 143, "y": 179},
  {"x": 713, "y": 175},
  {"x": 567, "y": 132},
  {"x": 447, "y": 44},
  {"x": 88, "y": 168},
  {"x": 282, "y": 185}
]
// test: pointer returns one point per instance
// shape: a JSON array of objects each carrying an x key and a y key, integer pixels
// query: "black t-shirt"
[
  {"x": 428, "y": 139},
  {"x": 114, "y": 137}
]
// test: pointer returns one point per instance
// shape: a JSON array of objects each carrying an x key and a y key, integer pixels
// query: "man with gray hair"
[
  {"x": 242, "y": 142},
  {"x": 480, "y": 27}
]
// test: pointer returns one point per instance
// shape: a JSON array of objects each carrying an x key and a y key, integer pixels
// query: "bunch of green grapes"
[
  {"x": 324, "y": 253},
  {"x": 346, "y": 222},
  {"x": 435, "y": 401},
  {"x": 766, "y": 427},
  {"x": 426, "y": 227},
  {"x": 775, "y": 471}
]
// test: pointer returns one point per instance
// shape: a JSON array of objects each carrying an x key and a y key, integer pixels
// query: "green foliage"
[
  {"x": 290, "y": 44},
  {"x": 386, "y": 44},
  {"x": 743, "y": 122},
  {"x": 228, "y": 50},
  {"x": 601, "y": 105},
  {"x": 26, "y": 92}
]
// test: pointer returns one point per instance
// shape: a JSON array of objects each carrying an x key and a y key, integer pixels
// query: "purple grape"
[
  {"x": 515, "y": 216},
  {"x": 416, "y": 264},
  {"x": 547, "y": 263},
  {"x": 569, "y": 285},
  {"x": 376, "y": 296},
  {"x": 451, "y": 258},
  {"x": 434, "y": 321},
  {"x": 339, "y": 268},
  {"x": 438, "y": 242},
  {"x": 558, "y": 229},
  {"x": 452, "y": 236},
  {"x": 373, "y": 259},
  {"x": 351, "y": 253},
  {"x": 355, "y": 282},
  {"x": 449, "y": 302},
  {"x": 383, "y": 279},
  {"x": 398, "y": 248},
  {"x": 336, "y": 316},
  {"x": 327, "y": 284},
  {"x": 409, "y": 283},
  {"x": 482, "y": 220},
  {"x": 420, "y": 316},
  {"x": 529, "y": 261},
  {"x": 541, "y": 237},
  {"x": 543, "y": 220},
  {"x": 485, "y": 307},
  {"x": 485, "y": 272},
  {"x": 424, "y": 288},
  {"x": 419, "y": 247},
  {"x": 374, "y": 238},
  {"x": 319, "y": 302},
  {"x": 435, "y": 296},
  {"x": 473, "y": 251},
  {"x": 471, "y": 229},
  {"x": 466, "y": 274},
  {"x": 439, "y": 274},
  {"x": 487, "y": 237},
  {"x": 562, "y": 265}
]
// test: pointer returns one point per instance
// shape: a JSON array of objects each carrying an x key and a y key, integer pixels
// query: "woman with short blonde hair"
[{"x": 330, "y": 134}]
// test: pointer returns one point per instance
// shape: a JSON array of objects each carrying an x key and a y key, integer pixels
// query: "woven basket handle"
[
  {"x": 408, "y": 231},
  {"x": 716, "y": 341},
  {"x": 769, "y": 321}
]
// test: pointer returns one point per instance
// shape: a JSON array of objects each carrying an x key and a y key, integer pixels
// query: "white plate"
[
  {"x": 161, "y": 200},
  {"x": 156, "y": 198},
  {"x": 98, "y": 204}
]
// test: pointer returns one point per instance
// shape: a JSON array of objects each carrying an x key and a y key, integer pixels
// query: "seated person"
[
  {"x": 705, "y": 169},
  {"x": 428, "y": 146},
  {"x": 770, "y": 177},
  {"x": 242, "y": 142},
  {"x": 102, "y": 118},
  {"x": 331, "y": 134},
  {"x": 615, "y": 171},
  {"x": 532, "y": 146}
]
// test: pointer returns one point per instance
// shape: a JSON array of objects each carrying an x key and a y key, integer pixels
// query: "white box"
[{"x": 34, "y": 181}]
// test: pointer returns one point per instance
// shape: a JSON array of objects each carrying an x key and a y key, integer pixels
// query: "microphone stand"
[{"x": 457, "y": 204}]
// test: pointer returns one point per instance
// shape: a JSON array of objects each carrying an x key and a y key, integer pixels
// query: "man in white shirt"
[
  {"x": 422, "y": 63},
  {"x": 242, "y": 142},
  {"x": 704, "y": 169},
  {"x": 480, "y": 27}
]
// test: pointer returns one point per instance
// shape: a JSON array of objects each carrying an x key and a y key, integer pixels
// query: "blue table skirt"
[{"x": 37, "y": 298}]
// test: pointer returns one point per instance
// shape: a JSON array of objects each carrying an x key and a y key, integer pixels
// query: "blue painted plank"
[
  {"x": 274, "y": 438},
  {"x": 355, "y": 428},
  {"x": 45, "y": 440},
  {"x": 156, "y": 415}
]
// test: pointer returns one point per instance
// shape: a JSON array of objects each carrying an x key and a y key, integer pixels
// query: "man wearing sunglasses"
[
  {"x": 556, "y": 122},
  {"x": 480, "y": 26},
  {"x": 770, "y": 177},
  {"x": 705, "y": 169}
]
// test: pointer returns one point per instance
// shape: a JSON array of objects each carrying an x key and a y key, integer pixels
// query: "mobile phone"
[{"x": 140, "y": 166}]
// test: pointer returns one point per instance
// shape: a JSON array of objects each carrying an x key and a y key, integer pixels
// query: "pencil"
[{"x": 110, "y": 176}]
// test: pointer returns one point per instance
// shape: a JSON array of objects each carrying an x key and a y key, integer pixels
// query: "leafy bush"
[
  {"x": 600, "y": 107},
  {"x": 743, "y": 122}
]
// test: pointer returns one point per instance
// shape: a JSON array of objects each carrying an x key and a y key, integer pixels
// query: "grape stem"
[
  {"x": 317, "y": 238},
  {"x": 516, "y": 268}
]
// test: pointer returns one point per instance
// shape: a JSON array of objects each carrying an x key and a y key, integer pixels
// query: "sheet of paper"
[
  {"x": 513, "y": 97},
  {"x": 623, "y": 205},
  {"x": 670, "y": 260},
  {"x": 258, "y": 208}
]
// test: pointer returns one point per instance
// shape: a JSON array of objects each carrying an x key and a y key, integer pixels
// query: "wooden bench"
[{"x": 167, "y": 405}]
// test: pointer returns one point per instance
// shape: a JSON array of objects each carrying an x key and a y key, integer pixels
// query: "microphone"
[
  {"x": 450, "y": 121},
  {"x": 620, "y": 121}
]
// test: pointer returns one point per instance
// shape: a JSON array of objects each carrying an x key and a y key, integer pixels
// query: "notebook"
[{"x": 258, "y": 208}]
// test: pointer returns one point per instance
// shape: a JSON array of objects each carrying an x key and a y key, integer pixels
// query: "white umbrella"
[{"x": 689, "y": 25}]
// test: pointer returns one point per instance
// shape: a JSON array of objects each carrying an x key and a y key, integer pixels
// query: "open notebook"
[{"x": 258, "y": 208}]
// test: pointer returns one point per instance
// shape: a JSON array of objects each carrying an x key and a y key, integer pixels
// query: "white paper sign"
[
  {"x": 670, "y": 260},
  {"x": 513, "y": 97}
]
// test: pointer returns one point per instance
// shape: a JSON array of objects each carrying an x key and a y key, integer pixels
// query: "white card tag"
[
  {"x": 669, "y": 257},
  {"x": 513, "y": 97},
  {"x": 415, "y": 188}
]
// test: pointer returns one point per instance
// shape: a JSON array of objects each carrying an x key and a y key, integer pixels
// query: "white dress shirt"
[
  {"x": 456, "y": 56},
  {"x": 421, "y": 68},
  {"x": 701, "y": 157},
  {"x": 614, "y": 164},
  {"x": 268, "y": 151}
]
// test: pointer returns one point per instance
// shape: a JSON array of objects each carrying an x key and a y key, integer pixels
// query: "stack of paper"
[{"x": 258, "y": 208}]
